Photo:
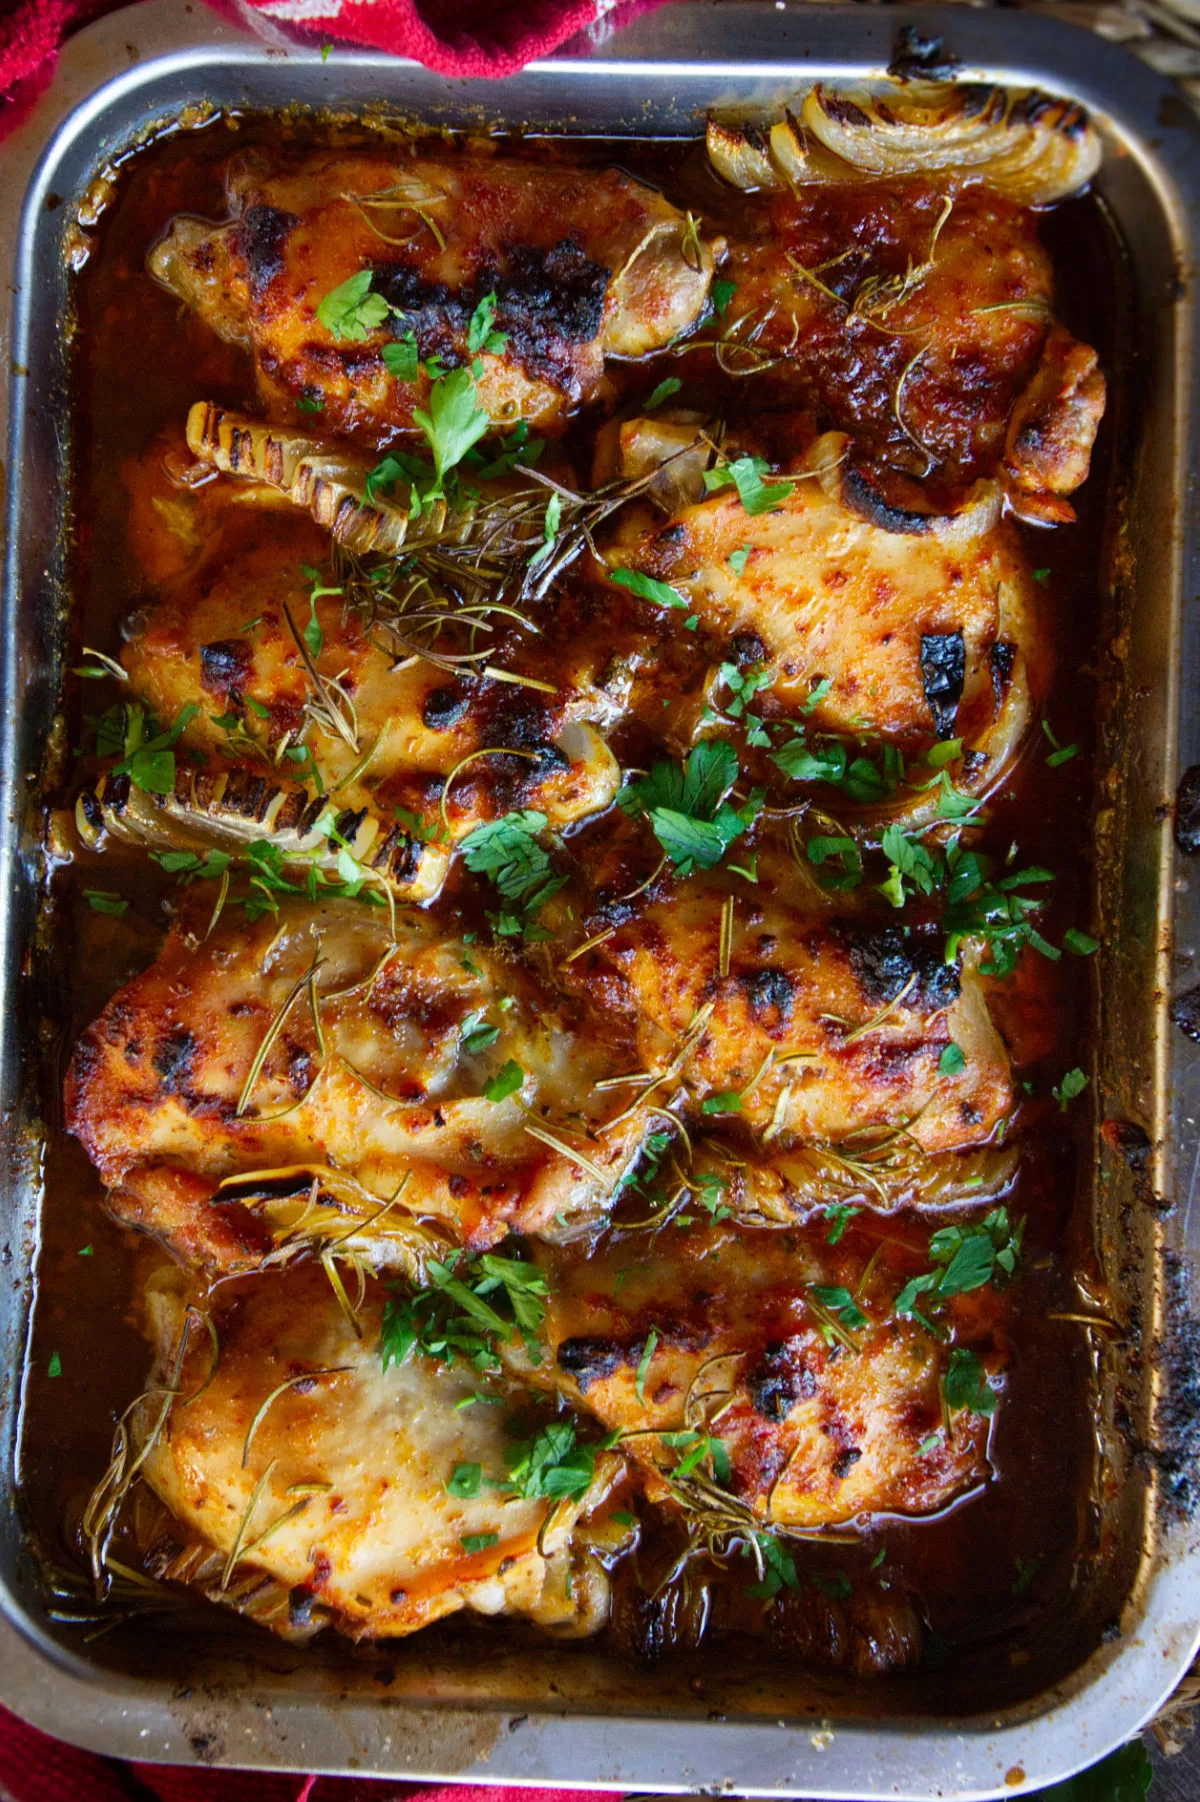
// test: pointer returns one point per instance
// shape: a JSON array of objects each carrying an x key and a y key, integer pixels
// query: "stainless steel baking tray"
[{"x": 549, "y": 1716}]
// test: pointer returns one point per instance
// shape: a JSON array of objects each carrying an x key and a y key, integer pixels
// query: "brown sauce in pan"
[{"x": 139, "y": 363}]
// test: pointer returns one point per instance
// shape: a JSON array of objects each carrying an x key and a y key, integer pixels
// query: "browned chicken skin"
[
  {"x": 313, "y": 1091},
  {"x": 583, "y": 265}
]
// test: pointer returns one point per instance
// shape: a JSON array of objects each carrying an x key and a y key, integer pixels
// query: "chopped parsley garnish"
[
  {"x": 147, "y": 753},
  {"x": 965, "y": 1383},
  {"x": 105, "y": 901},
  {"x": 738, "y": 560},
  {"x": 829, "y": 760},
  {"x": 509, "y": 851},
  {"x": 727, "y": 1102},
  {"x": 687, "y": 807},
  {"x": 647, "y": 588},
  {"x": 453, "y": 423},
  {"x": 1082, "y": 944},
  {"x": 966, "y": 1258},
  {"x": 472, "y": 1305},
  {"x": 842, "y": 852},
  {"x": 839, "y": 1301},
  {"x": 311, "y": 403},
  {"x": 1027, "y": 1570},
  {"x": 643, "y": 1368},
  {"x": 745, "y": 685},
  {"x": 746, "y": 475},
  {"x": 778, "y": 1567},
  {"x": 481, "y": 332},
  {"x": 1072, "y": 1084},
  {"x": 839, "y": 1216},
  {"x": 476, "y": 1035},
  {"x": 1059, "y": 753},
  {"x": 465, "y": 1481},
  {"x": 54, "y": 1367},
  {"x": 401, "y": 358},
  {"x": 508, "y": 1080},
  {"x": 553, "y": 1464},
  {"x": 721, "y": 293},
  {"x": 910, "y": 861},
  {"x": 351, "y": 311},
  {"x": 836, "y": 1588},
  {"x": 671, "y": 385},
  {"x": 479, "y": 1542},
  {"x": 952, "y": 1061}
]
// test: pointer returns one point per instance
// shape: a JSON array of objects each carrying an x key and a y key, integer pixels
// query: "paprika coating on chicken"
[{"x": 581, "y": 1000}]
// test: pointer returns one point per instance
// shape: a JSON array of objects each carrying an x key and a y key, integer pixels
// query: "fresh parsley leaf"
[
  {"x": 465, "y": 1482},
  {"x": 453, "y": 423},
  {"x": 839, "y": 1216},
  {"x": 553, "y": 1464},
  {"x": 839, "y": 1301},
  {"x": 509, "y": 851},
  {"x": 746, "y": 474},
  {"x": 507, "y": 1081},
  {"x": 967, "y": 1257},
  {"x": 738, "y": 560},
  {"x": 1072, "y": 1084},
  {"x": 481, "y": 333},
  {"x": 1080, "y": 943},
  {"x": 311, "y": 403},
  {"x": 647, "y": 588},
  {"x": 909, "y": 860},
  {"x": 351, "y": 311},
  {"x": 663, "y": 392},
  {"x": 550, "y": 525},
  {"x": 817, "y": 694},
  {"x": 149, "y": 759},
  {"x": 952, "y": 1061},
  {"x": 745, "y": 684},
  {"x": 476, "y": 1036},
  {"x": 54, "y": 1367},
  {"x": 837, "y": 1588},
  {"x": 965, "y": 1383},
  {"x": 821, "y": 850},
  {"x": 687, "y": 807},
  {"x": 643, "y": 1368},
  {"x": 721, "y": 293},
  {"x": 1027, "y": 1570},
  {"x": 728, "y": 1101},
  {"x": 479, "y": 1542},
  {"x": 401, "y": 358},
  {"x": 105, "y": 901},
  {"x": 778, "y": 1565}
]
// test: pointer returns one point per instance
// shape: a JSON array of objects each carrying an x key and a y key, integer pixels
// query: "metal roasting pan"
[{"x": 573, "y": 1715}]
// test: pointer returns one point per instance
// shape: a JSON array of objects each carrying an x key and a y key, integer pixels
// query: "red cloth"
[
  {"x": 36, "y": 1769},
  {"x": 453, "y": 37}
]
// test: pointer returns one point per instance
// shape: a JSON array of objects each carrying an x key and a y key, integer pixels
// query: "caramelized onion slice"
[
  {"x": 332, "y": 487},
  {"x": 238, "y": 806},
  {"x": 1031, "y": 146}
]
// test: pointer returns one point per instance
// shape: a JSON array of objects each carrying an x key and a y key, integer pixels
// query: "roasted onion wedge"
[
  {"x": 240, "y": 806},
  {"x": 308, "y": 1078},
  {"x": 1032, "y": 147},
  {"x": 305, "y": 1483}
]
